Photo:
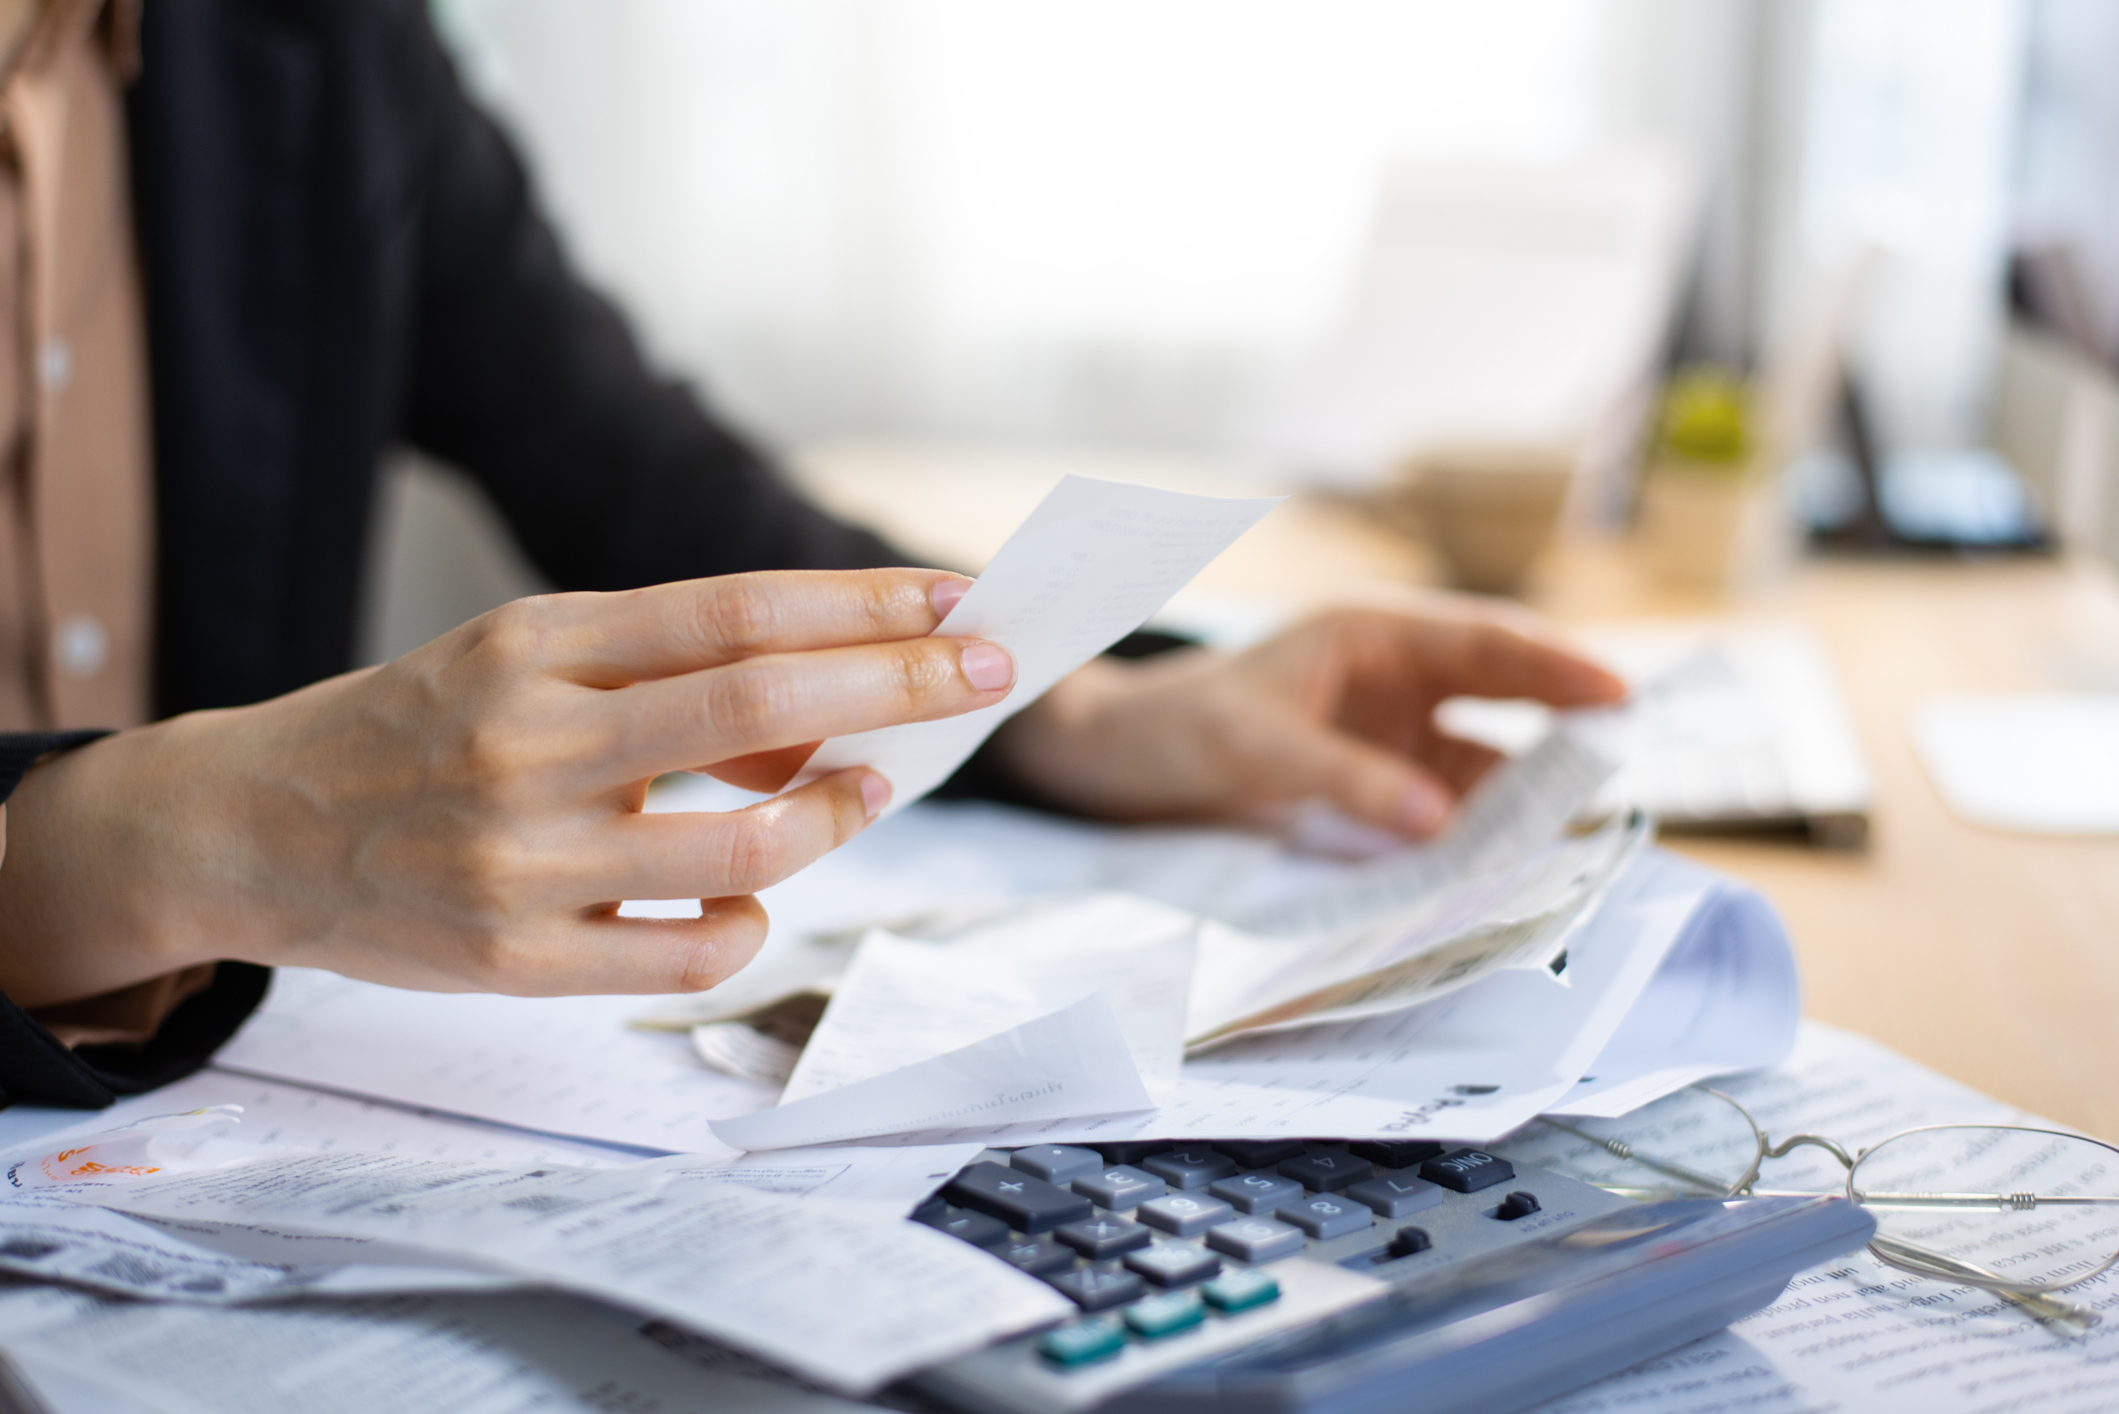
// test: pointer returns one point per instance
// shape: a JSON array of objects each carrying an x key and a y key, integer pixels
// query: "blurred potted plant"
[{"x": 1710, "y": 512}]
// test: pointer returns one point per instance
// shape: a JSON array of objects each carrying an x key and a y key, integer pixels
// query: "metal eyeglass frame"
[{"x": 2036, "y": 1298}]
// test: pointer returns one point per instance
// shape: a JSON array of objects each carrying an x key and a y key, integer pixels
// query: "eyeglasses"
[{"x": 2017, "y": 1211}]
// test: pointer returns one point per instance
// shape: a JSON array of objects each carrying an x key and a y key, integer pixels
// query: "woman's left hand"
[{"x": 1340, "y": 707}]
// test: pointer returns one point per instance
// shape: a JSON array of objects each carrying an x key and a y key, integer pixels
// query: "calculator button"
[
  {"x": 1396, "y": 1153},
  {"x": 1260, "y": 1153},
  {"x": 974, "y": 1228},
  {"x": 1256, "y": 1192},
  {"x": 1094, "y": 1289},
  {"x": 1410, "y": 1240},
  {"x": 1326, "y": 1170},
  {"x": 1037, "y": 1256},
  {"x": 1025, "y": 1203},
  {"x": 1193, "y": 1167},
  {"x": 1167, "y": 1314},
  {"x": 1119, "y": 1187},
  {"x": 1395, "y": 1195},
  {"x": 1084, "y": 1341},
  {"x": 1255, "y": 1239},
  {"x": 1240, "y": 1291},
  {"x": 1174, "y": 1264},
  {"x": 1517, "y": 1205},
  {"x": 1131, "y": 1151},
  {"x": 1099, "y": 1238},
  {"x": 1467, "y": 1170},
  {"x": 1185, "y": 1213},
  {"x": 1325, "y": 1216},
  {"x": 1056, "y": 1163}
]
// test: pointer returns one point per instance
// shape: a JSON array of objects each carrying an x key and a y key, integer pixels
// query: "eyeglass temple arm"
[
  {"x": 1922, "y": 1262},
  {"x": 1620, "y": 1149}
]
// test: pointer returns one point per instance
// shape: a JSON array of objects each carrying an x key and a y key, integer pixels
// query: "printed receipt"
[
  {"x": 1095, "y": 560},
  {"x": 1067, "y": 1065},
  {"x": 722, "y": 1259}
]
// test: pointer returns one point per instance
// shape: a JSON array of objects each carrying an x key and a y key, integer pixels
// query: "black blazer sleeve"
[
  {"x": 611, "y": 476},
  {"x": 35, "y": 1068}
]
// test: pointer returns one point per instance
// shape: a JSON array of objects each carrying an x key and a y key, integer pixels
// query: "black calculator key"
[
  {"x": 1027, "y": 1204},
  {"x": 1120, "y": 1187},
  {"x": 1056, "y": 1163},
  {"x": 1037, "y": 1256},
  {"x": 1174, "y": 1264},
  {"x": 1104, "y": 1237},
  {"x": 974, "y": 1228},
  {"x": 1131, "y": 1151},
  {"x": 1410, "y": 1240},
  {"x": 1395, "y": 1195},
  {"x": 1192, "y": 1167},
  {"x": 1326, "y": 1170},
  {"x": 1467, "y": 1170},
  {"x": 1517, "y": 1205},
  {"x": 1396, "y": 1153},
  {"x": 1259, "y": 1153},
  {"x": 1096, "y": 1289}
]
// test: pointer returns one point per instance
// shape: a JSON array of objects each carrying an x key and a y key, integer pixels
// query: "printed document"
[
  {"x": 722, "y": 1259},
  {"x": 425, "y": 1354},
  {"x": 1093, "y": 563}
]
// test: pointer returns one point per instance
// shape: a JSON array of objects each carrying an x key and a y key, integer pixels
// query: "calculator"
[{"x": 1287, "y": 1275}]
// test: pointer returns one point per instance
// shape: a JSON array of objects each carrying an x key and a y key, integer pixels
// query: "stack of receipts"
[
  {"x": 1452, "y": 992},
  {"x": 971, "y": 974}
]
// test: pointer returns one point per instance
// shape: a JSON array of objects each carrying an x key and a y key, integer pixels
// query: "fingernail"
[
  {"x": 988, "y": 666},
  {"x": 1421, "y": 810},
  {"x": 945, "y": 594},
  {"x": 875, "y": 793}
]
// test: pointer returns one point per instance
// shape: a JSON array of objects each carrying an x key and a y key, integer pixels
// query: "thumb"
[{"x": 1366, "y": 782}]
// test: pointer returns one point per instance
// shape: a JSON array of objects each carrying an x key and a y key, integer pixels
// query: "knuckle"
[
  {"x": 754, "y": 854},
  {"x": 922, "y": 671},
  {"x": 730, "y": 932},
  {"x": 738, "y": 618},
  {"x": 747, "y": 702}
]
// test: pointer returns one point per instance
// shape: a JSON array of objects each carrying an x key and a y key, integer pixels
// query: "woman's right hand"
[{"x": 469, "y": 816}]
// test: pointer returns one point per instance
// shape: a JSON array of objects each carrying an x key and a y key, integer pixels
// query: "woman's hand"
[
  {"x": 1339, "y": 707},
  {"x": 469, "y": 816}
]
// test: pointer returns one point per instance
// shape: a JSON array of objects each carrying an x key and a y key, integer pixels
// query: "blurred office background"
[{"x": 1167, "y": 226}]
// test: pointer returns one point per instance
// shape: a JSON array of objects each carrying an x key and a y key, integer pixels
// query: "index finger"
[
  {"x": 1484, "y": 655},
  {"x": 611, "y": 640}
]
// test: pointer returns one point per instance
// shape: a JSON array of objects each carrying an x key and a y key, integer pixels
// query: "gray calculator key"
[
  {"x": 1396, "y": 1195},
  {"x": 1038, "y": 1256},
  {"x": 1327, "y": 1170},
  {"x": 1174, "y": 1264},
  {"x": 1056, "y": 1163},
  {"x": 1194, "y": 1166},
  {"x": 1259, "y": 1192},
  {"x": 1099, "y": 1238},
  {"x": 1256, "y": 1239},
  {"x": 1094, "y": 1289},
  {"x": 1324, "y": 1216},
  {"x": 1185, "y": 1214},
  {"x": 1119, "y": 1187}
]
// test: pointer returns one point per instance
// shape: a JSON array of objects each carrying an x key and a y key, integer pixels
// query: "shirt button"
[
  {"x": 82, "y": 645},
  {"x": 55, "y": 365}
]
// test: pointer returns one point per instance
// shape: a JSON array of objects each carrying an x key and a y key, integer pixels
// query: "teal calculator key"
[
  {"x": 1083, "y": 1342},
  {"x": 1241, "y": 1290},
  {"x": 1158, "y": 1316}
]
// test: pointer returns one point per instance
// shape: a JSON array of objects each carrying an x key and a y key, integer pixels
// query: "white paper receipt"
[{"x": 1093, "y": 562}]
